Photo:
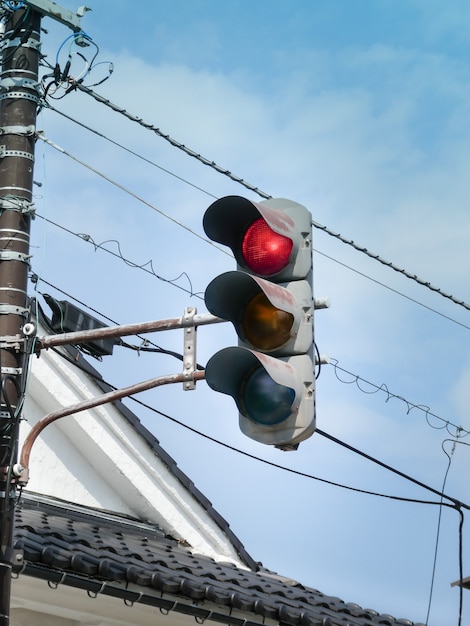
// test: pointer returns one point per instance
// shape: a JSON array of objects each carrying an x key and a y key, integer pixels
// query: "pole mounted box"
[{"x": 67, "y": 318}]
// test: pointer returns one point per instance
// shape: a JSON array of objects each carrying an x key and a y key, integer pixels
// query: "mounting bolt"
[{"x": 29, "y": 329}]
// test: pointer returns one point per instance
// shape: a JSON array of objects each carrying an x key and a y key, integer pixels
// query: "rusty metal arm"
[
  {"x": 82, "y": 336},
  {"x": 21, "y": 470}
]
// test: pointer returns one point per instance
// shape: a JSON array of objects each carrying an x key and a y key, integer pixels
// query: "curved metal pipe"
[{"x": 22, "y": 470}]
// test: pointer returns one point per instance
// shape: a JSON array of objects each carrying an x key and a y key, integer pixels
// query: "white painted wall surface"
[{"x": 96, "y": 458}]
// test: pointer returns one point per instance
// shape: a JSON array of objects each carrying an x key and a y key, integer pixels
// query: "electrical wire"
[
  {"x": 128, "y": 150},
  {"x": 449, "y": 456},
  {"x": 61, "y": 79},
  {"x": 139, "y": 156},
  {"x": 146, "y": 267},
  {"x": 399, "y": 293},
  {"x": 13, "y": 5},
  {"x": 172, "y": 141},
  {"x": 454, "y": 503},
  {"x": 205, "y": 240},
  {"x": 433, "y": 574},
  {"x": 356, "y": 379},
  {"x": 241, "y": 181},
  {"x": 146, "y": 346},
  {"x": 129, "y": 192}
]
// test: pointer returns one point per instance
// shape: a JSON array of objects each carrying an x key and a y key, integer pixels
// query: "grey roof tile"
[{"x": 78, "y": 548}]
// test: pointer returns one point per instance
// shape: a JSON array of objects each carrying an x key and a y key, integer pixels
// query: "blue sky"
[{"x": 359, "y": 111}]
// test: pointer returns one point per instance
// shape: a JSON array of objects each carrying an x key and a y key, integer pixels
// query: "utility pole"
[{"x": 19, "y": 98}]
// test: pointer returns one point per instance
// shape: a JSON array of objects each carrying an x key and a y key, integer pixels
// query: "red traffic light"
[
  {"x": 271, "y": 239},
  {"x": 265, "y": 252}
]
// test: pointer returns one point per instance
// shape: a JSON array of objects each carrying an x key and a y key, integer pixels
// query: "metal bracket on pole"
[
  {"x": 64, "y": 16},
  {"x": 11, "y": 342},
  {"x": 15, "y": 203},
  {"x": 12, "y": 371},
  {"x": 12, "y": 255},
  {"x": 23, "y": 131},
  {"x": 11, "y": 309},
  {"x": 189, "y": 355},
  {"x": 32, "y": 43},
  {"x": 20, "y": 95},
  {"x": 18, "y": 82},
  {"x": 15, "y": 153}
]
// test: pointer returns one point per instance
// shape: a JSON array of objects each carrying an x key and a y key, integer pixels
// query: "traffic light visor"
[
  {"x": 267, "y": 316},
  {"x": 271, "y": 239},
  {"x": 275, "y": 399},
  {"x": 264, "y": 389}
]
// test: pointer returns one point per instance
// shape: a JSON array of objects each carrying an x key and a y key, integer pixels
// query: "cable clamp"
[
  {"x": 26, "y": 83},
  {"x": 12, "y": 255},
  {"x": 11, "y": 341},
  {"x": 23, "y": 131},
  {"x": 35, "y": 44},
  {"x": 15, "y": 203},
  {"x": 12, "y": 371},
  {"x": 18, "y": 95},
  {"x": 11, "y": 309},
  {"x": 15, "y": 153}
]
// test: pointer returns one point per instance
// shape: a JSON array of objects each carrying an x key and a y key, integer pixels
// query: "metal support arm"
[{"x": 21, "y": 470}]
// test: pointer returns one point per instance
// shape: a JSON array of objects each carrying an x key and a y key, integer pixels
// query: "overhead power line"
[
  {"x": 392, "y": 266},
  {"x": 187, "y": 182},
  {"x": 149, "y": 265},
  {"x": 145, "y": 267},
  {"x": 41, "y": 136},
  {"x": 136, "y": 154},
  {"x": 453, "y": 502},
  {"x": 149, "y": 268},
  {"x": 139, "y": 156},
  {"x": 410, "y": 406},
  {"x": 173, "y": 142},
  {"x": 241, "y": 181},
  {"x": 399, "y": 293}
]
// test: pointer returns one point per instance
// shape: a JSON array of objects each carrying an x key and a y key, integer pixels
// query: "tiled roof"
[{"x": 121, "y": 557}]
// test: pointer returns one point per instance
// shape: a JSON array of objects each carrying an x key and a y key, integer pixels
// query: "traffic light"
[{"x": 269, "y": 300}]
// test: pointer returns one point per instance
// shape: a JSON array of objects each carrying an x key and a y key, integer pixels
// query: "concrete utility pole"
[{"x": 19, "y": 98}]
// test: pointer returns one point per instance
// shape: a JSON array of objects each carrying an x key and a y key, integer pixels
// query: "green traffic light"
[{"x": 264, "y": 401}]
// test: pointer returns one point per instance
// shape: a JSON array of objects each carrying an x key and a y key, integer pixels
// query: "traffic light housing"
[{"x": 269, "y": 300}]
